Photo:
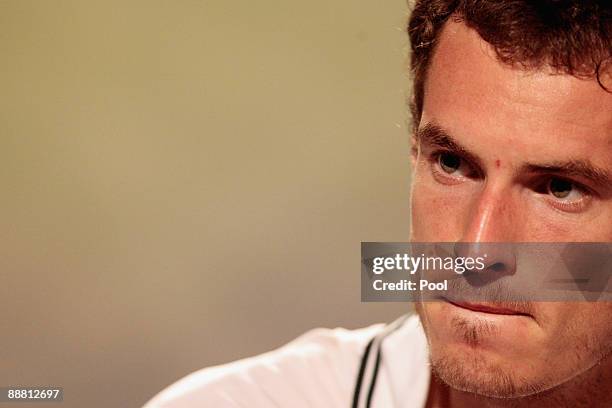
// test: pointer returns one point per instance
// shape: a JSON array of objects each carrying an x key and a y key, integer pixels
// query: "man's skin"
[{"x": 534, "y": 165}]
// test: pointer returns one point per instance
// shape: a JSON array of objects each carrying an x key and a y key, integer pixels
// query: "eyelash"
[{"x": 573, "y": 207}]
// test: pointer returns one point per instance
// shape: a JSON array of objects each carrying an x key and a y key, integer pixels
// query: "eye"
[
  {"x": 449, "y": 162},
  {"x": 448, "y": 166},
  {"x": 564, "y": 190},
  {"x": 566, "y": 195}
]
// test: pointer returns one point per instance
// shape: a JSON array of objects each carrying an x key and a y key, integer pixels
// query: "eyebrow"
[
  {"x": 574, "y": 168},
  {"x": 434, "y": 135}
]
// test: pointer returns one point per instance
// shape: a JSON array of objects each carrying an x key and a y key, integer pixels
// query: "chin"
[
  {"x": 482, "y": 374},
  {"x": 493, "y": 356}
]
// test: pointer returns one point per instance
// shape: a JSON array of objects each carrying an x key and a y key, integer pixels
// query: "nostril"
[
  {"x": 475, "y": 279},
  {"x": 497, "y": 267},
  {"x": 487, "y": 276}
]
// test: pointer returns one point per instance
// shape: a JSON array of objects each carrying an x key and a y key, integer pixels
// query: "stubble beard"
[{"x": 473, "y": 372}]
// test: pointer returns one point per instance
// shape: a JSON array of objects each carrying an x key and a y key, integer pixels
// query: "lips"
[{"x": 491, "y": 308}]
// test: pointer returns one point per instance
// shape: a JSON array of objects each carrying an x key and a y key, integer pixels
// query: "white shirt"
[{"x": 318, "y": 369}]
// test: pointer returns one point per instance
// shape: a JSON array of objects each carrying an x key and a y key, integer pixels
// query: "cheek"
[
  {"x": 435, "y": 215},
  {"x": 566, "y": 320},
  {"x": 579, "y": 331},
  {"x": 544, "y": 224}
]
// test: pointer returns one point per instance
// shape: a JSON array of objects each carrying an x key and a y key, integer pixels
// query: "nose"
[
  {"x": 489, "y": 231},
  {"x": 498, "y": 260}
]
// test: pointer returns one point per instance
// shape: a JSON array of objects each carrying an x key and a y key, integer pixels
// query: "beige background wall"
[{"x": 185, "y": 183}]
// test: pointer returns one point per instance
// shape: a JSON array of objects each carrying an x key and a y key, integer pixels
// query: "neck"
[{"x": 590, "y": 389}]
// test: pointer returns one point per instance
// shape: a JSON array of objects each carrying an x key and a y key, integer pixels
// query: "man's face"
[{"x": 505, "y": 154}]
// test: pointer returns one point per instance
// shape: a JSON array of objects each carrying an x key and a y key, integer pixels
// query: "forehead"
[{"x": 520, "y": 113}]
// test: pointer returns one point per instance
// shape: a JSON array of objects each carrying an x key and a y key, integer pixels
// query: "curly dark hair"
[{"x": 570, "y": 36}]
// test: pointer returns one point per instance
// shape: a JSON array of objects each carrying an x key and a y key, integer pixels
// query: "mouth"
[{"x": 488, "y": 308}]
